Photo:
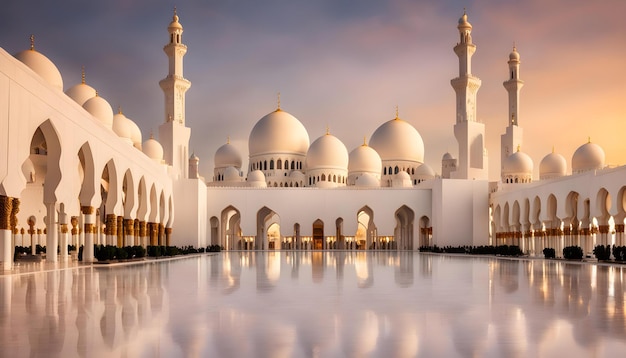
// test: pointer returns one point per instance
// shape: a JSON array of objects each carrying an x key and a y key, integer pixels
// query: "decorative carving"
[
  {"x": 90, "y": 229},
  {"x": 6, "y": 204},
  {"x": 15, "y": 208},
  {"x": 64, "y": 229}
]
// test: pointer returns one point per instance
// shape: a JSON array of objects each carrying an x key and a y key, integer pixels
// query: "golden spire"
[
  {"x": 589, "y": 139},
  {"x": 364, "y": 141},
  {"x": 175, "y": 17},
  {"x": 32, "y": 42},
  {"x": 82, "y": 75},
  {"x": 518, "y": 148},
  {"x": 97, "y": 95},
  {"x": 397, "y": 117},
  {"x": 228, "y": 140},
  {"x": 278, "y": 101},
  {"x": 553, "y": 149},
  {"x": 119, "y": 109},
  {"x": 327, "y": 130}
]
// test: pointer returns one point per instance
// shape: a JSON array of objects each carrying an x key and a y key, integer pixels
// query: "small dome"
[
  {"x": 552, "y": 165},
  {"x": 463, "y": 23},
  {"x": 135, "y": 133},
  {"x": 327, "y": 151},
  {"x": 447, "y": 156},
  {"x": 518, "y": 163},
  {"x": 364, "y": 159},
  {"x": 297, "y": 175},
  {"x": 402, "y": 180},
  {"x": 42, "y": 66},
  {"x": 231, "y": 174},
  {"x": 226, "y": 156},
  {"x": 424, "y": 171},
  {"x": 514, "y": 55},
  {"x": 256, "y": 179},
  {"x": 101, "y": 109},
  {"x": 588, "y": 156},
  {"x": 367, "y": 180},
  {"x": 153, "y": 149},
  {"x": 278, "y": 132},
  {"x": 121, "y": 125},
  {"x": 81, "y": 93},
  {"x": 398, "y": 140},
  {"x": 175, "y": 25}
]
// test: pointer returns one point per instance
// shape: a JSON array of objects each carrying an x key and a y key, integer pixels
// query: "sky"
[{"x": 345, "y": 66}]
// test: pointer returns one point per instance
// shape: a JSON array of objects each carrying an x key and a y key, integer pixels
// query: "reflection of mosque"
[{"x": 142, "y": 310}]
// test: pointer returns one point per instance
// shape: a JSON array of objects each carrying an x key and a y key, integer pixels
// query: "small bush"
[
  {"x": 549, "y": 253},
  {"x": 573, "y": 252},
  {"x": 619, "y": 252},
  {"x": 602, "y": 253}
]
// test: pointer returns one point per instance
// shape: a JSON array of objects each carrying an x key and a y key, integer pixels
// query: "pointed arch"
[
  {"x": 403, "y": 233},
  {"x": 318, "y": 234},
  {"x": 230, "y": 228},
  {"x": 366, "y": 229}
]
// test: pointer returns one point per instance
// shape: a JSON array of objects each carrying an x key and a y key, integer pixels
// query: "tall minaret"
[
  {"x": 469, "y": 133},
  {"x": 513, "y": 137},
  {"x": 173, "y": 135}
]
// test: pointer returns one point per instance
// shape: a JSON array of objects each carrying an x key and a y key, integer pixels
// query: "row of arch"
[
  {"x": 561, "y": 219},
  {"x": 330, "y": 178},
  {"x": 289, "y": 184},
  {"x": 110, "y": 201},
  {"x": 226, "y": 232},
  {"x": 289, "y": 165},
  {"x": 395, "y": 170}
]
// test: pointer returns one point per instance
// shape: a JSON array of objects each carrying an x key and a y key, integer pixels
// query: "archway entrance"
[
  {"x": 318, "y": 235},
  {"x": 366, "y": 230}
]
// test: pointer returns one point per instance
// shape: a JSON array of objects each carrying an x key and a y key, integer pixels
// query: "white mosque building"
[{"x": 73, "y": 172}]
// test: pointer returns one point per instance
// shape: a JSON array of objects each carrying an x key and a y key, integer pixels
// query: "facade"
[{"x": 74, "y": 173}]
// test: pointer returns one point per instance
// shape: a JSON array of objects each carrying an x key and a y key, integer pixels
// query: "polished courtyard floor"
[{"x": 315, "y": 304}]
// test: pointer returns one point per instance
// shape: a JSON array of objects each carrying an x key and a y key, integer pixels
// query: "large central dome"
[
  {"x": 278, "y": 132},
  {"x": 398, "y": 140}
]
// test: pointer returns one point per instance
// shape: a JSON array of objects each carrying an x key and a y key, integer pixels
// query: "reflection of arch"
[
  {"x": 403, "y": 232},
  {"x": 264, "y": 219},
  {"x": 366, "y": 229},
  {"x": 318, "y": 235},
  {"x": 230, "y": 230}
]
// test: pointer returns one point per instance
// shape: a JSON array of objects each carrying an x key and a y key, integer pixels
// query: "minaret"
[
  {"x": 173, "y": 135},
  {"x": 469, "y": 133},
  {"x": 514, "y": 134}
]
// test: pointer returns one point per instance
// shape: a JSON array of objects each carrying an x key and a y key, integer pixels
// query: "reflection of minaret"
[
  {"x": 512, "y": 139},
  {"x": 468, "y": 132},
  {"x": 404, "y": 270},
  {"x": 173, "y": 135}
]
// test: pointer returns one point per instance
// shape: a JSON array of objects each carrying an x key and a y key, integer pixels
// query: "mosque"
[{"x": 73, "y": 172}]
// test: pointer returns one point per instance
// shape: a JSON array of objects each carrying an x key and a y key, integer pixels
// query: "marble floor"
[{"x": 314, "y": 304}]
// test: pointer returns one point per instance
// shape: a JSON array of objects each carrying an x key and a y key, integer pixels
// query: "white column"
[{"x": 89, "y": 230}]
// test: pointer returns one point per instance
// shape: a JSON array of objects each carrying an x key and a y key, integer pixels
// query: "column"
[
  {"x": 111, "y": 229},
  {"x": 75, "y": 232},
  {"x": 90, "y": 232},
  {"x": 143, "y": 241},
  {"x": 31, "y": 232},
  {"x": 120, "y": 231},
  {"x": 52, "y": 233},
  {"x": 619, "y": 234},
  {"x": 129, "y": 231},
  {"x": 6, "y": 250},
  {"x": 160, "y": 233},
  {"x": 168, "y": 236},
  {"x": 64, "y": 237}
]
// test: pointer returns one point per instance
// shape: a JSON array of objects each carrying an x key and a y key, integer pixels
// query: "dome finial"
[
  {"x": 327, "y": 130},
  {"x": 397, "y": 117},
  {"x": 82, "y": 75},
  {"x": 228, "y": 140},
  {"x": 365, "y": 141},
  {"x": 278, "y": 101},
  {"x": 119, "y": 109},
  {"x": 32, "y": 42},
  {"x": 518, "y": 148},
  {"x": 553, "y": 149},
  {"x": 589, "y": 139},
  {"x": 175, "y": 17}
]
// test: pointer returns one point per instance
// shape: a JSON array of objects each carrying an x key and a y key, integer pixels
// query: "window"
[
  {"x": 396, "y": 170},
  {"x": 272, "y": 164},
  {"x": 265, "y": 165},
  {"x": 279, "y": 164}
]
